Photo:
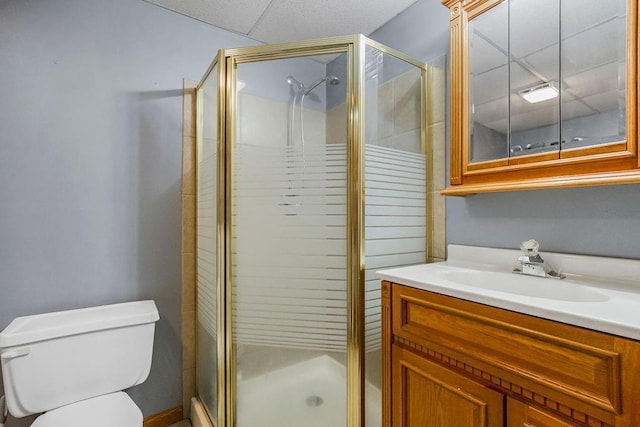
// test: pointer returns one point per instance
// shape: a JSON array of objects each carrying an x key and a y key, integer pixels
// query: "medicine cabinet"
[{"x": 543, "y": 94}]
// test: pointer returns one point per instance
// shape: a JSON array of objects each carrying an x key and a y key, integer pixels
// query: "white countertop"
[{"x": 607, "y": 289}]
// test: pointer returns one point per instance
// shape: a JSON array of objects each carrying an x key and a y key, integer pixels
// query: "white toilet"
[{"x": 73, "y": 365}]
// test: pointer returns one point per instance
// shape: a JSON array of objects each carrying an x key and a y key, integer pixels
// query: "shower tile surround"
[
  {"x": 253, "y": 108},
  {"x": 398, "y": 131},
  {"x": 397, "y": 128},
  {"x": 436, "y": 160},
  {"x": 188, "y": 246}
]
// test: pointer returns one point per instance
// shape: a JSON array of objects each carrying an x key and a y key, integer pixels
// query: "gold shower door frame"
[{"x": 227, "y": 61}]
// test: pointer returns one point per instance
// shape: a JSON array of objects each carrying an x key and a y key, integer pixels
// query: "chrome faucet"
[{"x": 531, "y": 263}]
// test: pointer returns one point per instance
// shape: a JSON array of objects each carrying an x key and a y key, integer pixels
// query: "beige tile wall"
[
  {"x": 188, "y": 246},
  {"x": 397, "y": 105},
  {"x": 264, "y": 122},
  {"x": 398, "y": 109},
  {"x": 436, "y": 157}
]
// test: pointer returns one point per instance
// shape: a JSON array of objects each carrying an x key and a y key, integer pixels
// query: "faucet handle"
[
  {"x": 531, "y": 263},
  {"x": 530, "y": 247}
]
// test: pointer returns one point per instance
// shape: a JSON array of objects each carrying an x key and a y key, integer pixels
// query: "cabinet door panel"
[
  {"x": 522, "y": 415},
  {"x": 425, "y": 394}
]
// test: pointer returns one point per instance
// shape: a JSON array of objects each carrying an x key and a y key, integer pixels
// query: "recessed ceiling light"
[{"x": 539, "y": 93}]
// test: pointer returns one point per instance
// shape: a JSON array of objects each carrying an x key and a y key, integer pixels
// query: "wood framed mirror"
[{"x": 543, "y": 94}]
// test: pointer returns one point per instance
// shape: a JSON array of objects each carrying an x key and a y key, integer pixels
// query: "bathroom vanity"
[{"x": 461, "y": 349}]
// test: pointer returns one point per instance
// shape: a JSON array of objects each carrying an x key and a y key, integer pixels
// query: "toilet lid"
[{"x": 110, "y": 410}]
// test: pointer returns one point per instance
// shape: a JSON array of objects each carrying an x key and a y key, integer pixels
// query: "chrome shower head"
[
  {"x": 332, "y": 80},
  {"x": 294, "y": 82}
]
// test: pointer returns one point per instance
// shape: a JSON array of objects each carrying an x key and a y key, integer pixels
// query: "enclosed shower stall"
[{"x": 311, "y": 176}]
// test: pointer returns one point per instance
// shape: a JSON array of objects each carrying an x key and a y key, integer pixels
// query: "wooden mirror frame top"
[{"x": 598, "y": 165}]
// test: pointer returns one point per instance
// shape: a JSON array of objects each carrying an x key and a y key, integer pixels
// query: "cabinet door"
[
  {"x": 522, "y": 415},
  {"x": 425, "y": 394}
]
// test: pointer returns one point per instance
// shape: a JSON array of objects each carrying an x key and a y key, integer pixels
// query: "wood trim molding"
[
  {"x": 199, "y": 416},
  {"x": 164, "y": 418},
  {"x": 455, "y": 6},
  {"x": 457, "y": 101},
  {"x": 607, "y": 178},
  {"x": 386, "y": 355},
  {"x": 507, "y": 387}
]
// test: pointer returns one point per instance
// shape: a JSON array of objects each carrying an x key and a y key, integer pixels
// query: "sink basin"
[
  {"x": 560, "y": 290},
  {"x": 599, "y": 293}
]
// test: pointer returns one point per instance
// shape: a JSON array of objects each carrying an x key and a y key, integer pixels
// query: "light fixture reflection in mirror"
[{"x": 539, "y": 93}]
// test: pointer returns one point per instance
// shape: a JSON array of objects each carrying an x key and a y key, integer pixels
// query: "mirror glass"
[
  {"x": 534, "y": 73},
  {"x": 593, "y": 72},
  {"x": 489, "y": 85},
  {"x": 546, "y": 75}
]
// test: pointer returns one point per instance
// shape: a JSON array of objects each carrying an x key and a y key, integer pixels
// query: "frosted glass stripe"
[
  {"x": 395, "y": 223},
  {"x": 389, "y": 232},
  {"x": 306, "y": 310},
  {"x": 335, "y": 261},
  {"x": 287, "y": 283},
  {"x": 387, "y": 185},
  {"x": 400, "y": 221},
  {"x": 391, "y": 211},
  {"x": 395, "y": 193},
  {"x": 297, "y": 273},
  {"x": 206, "y": 238},
  {"x": 393, "y": 246},
  {"x": 404, "y": 202},
  {"x": 290, "y": 283},
  {"x": 289, "y": 228}
]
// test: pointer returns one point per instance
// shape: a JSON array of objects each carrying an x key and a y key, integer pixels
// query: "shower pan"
[{"x": 311, "y": 175}]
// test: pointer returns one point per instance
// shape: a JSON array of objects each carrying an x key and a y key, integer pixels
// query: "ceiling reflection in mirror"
[{"x": 545, "y": 76}]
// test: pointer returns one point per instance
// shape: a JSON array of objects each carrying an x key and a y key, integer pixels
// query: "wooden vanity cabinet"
[
  {"x": 429, "y": 395},
  {"x": 454, "y": 363},
  {"x": 520, "y": 414}
]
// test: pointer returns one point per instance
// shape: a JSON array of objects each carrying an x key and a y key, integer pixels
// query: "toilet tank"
[{"x": 54, "y": 359}]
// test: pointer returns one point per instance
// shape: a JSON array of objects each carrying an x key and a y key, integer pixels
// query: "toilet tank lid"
[{"x": 39, "y": 327}]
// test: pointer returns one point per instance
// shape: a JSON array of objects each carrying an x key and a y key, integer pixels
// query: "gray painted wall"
[
  {"x": 90, "y": 158},
  {"x": 90, "y": 134},
  {"x": 596, "y": 220}
]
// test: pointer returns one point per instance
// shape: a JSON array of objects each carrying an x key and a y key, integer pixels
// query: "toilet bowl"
[
  {"x": 73, "y": 366},
  {"x": 113, "y": 409}
]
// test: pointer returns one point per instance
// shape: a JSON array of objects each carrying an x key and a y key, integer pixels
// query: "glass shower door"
[
  {"x": 288, "y": 266},
  {"x": 206, "y": 270},
  {"x": 395, "y": 199}
]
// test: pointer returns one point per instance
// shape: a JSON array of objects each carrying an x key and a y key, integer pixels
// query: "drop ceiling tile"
[
  {"x": 595, "y": 81},
  {"x": 533, "y": 119},
  {"x": 292, "y": 20},
  {"x": 483, "y": 56},
  {"x": 575, "y": 109},
  {"x": 490, "y": 85},
  {"x": 607, "y": 101},
  {"x": 500, "y": 126},
  {"x": 234, "y": 15},
  {"x": 545, "y": 63},
  {"x": 493, "y": 114},
  {"x": 596, "y": 46},
  {"x": 493, "y": 26},
  {"x": 580, "y": 14},
  {"x": 523, "y": 78},
  {"x": 538, "y": 17}
]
